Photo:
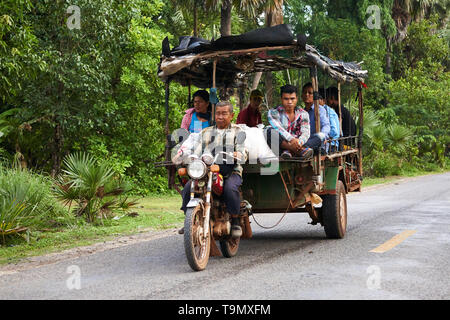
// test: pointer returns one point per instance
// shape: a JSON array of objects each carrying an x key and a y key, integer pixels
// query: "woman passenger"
[{"x": 198, "y": 117}]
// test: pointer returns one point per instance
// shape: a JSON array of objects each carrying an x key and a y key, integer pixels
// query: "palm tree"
[
  {"x": 398, "y": 136},
  {"x": 373, "y": 138},
  {"x": 274, "y": 12},
  {"x": 94, "y": 187},
  {"x": 250, "y": 8},
  {"x": 190, "y": 6},
  {"x": 406, "y": 11},
  {"x": 274, "y": 16},
  {"x": 422, "y": 9}
]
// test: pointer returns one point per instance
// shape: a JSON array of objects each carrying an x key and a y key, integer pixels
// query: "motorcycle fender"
[{"x": 194, "y": 202}]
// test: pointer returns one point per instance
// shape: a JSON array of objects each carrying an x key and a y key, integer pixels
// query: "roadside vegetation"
[
  {"x": 81, "y": 115},
  {"x": 87, "y": 203},
  {"x": 150, "y": 214},
  {"x": 26, "y": 201}
]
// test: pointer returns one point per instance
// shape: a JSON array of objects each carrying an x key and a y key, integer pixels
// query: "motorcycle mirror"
[
  {"x": 240, "y": 137},
  {"x": 179, "y": 135}
]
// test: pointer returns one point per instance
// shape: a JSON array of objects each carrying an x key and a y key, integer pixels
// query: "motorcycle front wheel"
[{"x": 196, "y": 246}]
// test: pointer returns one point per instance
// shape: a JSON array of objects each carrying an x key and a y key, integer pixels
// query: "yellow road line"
[{"x": 396, "y": 240}]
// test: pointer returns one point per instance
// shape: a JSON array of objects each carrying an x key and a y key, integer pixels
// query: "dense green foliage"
[{"x": 95, "y": 89}]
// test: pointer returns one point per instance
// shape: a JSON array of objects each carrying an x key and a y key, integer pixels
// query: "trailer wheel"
[{"x": 334, "y": 213}]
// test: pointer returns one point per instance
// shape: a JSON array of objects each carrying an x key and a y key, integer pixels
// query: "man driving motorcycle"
[{"x": 223, "y": 136}]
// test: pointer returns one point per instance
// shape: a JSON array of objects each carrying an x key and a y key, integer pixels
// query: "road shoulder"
[{"x": 74, "y": 253}]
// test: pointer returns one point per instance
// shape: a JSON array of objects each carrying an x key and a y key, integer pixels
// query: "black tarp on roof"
[
  {"x": 267, "y": 49},
  {"x": 279, "y": 35}
]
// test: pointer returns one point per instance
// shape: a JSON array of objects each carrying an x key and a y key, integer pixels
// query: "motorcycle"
[{"x": 207, "y": 219}]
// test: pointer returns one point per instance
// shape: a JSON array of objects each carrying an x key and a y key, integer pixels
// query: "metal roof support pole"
[
  {"x": 340, "y": 108},
  {"x": 344, "y": 141},
  {"x": 214, "y": 86},
  {"x": 315, "y": 84},
  {"x": 361, "y": 121},
  {"x": 189, "y": 94},
  {"x": 166, "y": 126},
  {"x": 170, "y": 173}
]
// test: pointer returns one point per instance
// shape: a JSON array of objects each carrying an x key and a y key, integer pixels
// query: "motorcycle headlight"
[
  {"x": 208, "y": 158},
  {"x": 196, "y": 169}
]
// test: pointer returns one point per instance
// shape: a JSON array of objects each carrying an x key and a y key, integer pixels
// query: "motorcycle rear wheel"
[
  {"x": 229, "y": 247},
  {"x": 195, "y": 245}
]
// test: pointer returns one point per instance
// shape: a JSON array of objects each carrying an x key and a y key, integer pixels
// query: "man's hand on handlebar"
[{"x": 239, "y": 156}]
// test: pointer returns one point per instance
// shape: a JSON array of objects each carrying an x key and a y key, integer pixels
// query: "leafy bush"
[
  {"x": 26, "y": 202},
  {"x": 380, "y": 164},
  {"x": 96, "y": 189}
]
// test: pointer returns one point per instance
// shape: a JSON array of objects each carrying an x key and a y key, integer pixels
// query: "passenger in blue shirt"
[
  {"x": 198, "y": 125},
  {"x": 335, "y": 129},
  {"x": 316, "y": 139},
  {"x": 198, "y": 117}
]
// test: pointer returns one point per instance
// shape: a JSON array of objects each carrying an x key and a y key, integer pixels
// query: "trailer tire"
[{"x": 334, "y": 212}]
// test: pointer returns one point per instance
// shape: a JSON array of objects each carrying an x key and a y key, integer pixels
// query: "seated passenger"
[
  {"x": 316, "y": 139},
  {"x": 348, "y": 124},
  {"x": 335, "y": 130},
  {"x": 289, "y": 125},
  {"x": 251, "y": 116},
  {"x": 198, "y": 117}
]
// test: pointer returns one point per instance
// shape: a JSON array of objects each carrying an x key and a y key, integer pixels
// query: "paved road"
[{"x": 292, "y": 261}]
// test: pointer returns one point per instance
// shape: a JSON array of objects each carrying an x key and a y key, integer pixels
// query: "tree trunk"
[
  {"x": 269, "y": 88},
  {"x": 19, "y": 157},
  {"x": 274, "y": 16},
  {"x": 388, "y": 58},
  {"x": 195, "y": 19},
  {"x": 241, "y": 96},
  {"x": 256, "y": 80},
  {"x": 57, "y": 148},
  {"x": 57, "y": 137},
  {"x": 402, "y": 19},
  {"x": 225, "y": 30},
  {"x": 225, "y": 18},
  {"x": 388, "y": 61}
]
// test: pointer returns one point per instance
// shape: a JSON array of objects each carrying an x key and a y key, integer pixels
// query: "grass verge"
[
  {"x": 369, "y": 181},
  {"x": 154, "y": 213}
]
